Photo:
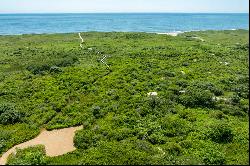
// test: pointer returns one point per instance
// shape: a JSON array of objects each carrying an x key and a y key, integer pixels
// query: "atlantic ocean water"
[{"x": 15, "y": 24}]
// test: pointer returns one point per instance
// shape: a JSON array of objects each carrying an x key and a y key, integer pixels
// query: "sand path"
[
  {"x": 199, "y": 38},
  {"x": 56, "y": 142},
  {"x": 82, "y": 41}
]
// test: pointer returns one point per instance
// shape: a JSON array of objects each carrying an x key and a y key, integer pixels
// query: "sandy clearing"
[{"x": 56, "y": 142}]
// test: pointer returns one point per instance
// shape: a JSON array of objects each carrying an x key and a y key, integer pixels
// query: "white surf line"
[{"x": 81, "y": 39}]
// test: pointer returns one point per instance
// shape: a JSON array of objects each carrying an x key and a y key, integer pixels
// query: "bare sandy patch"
[{"x": 56, "y": 142}]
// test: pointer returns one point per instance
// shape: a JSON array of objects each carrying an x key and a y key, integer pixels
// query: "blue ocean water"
[{"x": 130, "y": 22}]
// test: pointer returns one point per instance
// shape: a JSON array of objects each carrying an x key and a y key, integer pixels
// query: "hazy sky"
[{"x": 82, "y": 6}]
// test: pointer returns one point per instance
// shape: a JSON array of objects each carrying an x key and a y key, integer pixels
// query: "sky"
[{"x": 100, "y": 6}]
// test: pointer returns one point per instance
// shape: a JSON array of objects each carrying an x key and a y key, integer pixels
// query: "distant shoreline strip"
[{"x": 167, "y": 32}]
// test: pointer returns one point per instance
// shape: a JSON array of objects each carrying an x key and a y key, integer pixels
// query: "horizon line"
[{"x": 122, "y": 12}]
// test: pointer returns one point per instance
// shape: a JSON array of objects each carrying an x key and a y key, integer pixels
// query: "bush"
[
  {"x": 232, "y": 110},
  {"x": 120, "y": 134},
  {"x": 85, "y": 139},
  {"x": 96, "y": 110},
  {"x": 38, "y": 68},
  {"x": 185, "y": 64},
  {"x": 197, "y": 98},
  {"x": 55, "y": 69},
  {"x": 29, "y": 156},
  {"x": 182, "y": 83},
  {"x": 188, "y": 115},
  {"x": 214, "y": 157},
  {"x": 47, "y": 64},
  {"x": 157, "y": 138},
  {"x": 217, "y": 91},
  {"x": 117, "y": 153},
  {"x": 235, "y": 99},
  {"x": 5, "y": 135},
  {"x": 173, "y": 148},
  {"x": 219, "y": 115},
  {"x": 67, "y": 61},
  {"x": 221, "y": 133},
  {"x": 170, "y": 74},
  {"x": 174, "y": 126},
  {"x": 186, "y": 144},
  {"x": 154, "y": 101},
  {"x": 8, "y": 114}
]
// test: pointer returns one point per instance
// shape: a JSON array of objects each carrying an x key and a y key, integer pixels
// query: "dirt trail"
[
  {"x": 56, "y": 142},
  {"x": 82, "y": 41}
]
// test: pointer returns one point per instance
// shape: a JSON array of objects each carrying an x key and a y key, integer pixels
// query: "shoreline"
[
  {"x": 171, "y": 33},
  {"x": 176, "y": 33}
]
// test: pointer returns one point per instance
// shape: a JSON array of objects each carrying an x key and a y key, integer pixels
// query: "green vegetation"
[
  {"x": 29, "y": 156},
  {"x": 200, "y": 115},
  {"x": 8, "y": 114}
]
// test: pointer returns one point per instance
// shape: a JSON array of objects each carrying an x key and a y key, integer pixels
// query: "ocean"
[{"x": 14, "y": 24}]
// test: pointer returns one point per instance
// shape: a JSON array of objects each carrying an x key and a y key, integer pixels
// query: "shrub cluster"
[
  {"x": 8, "y": 114},
  {"x": 29, "y": 156},
  {"x": 221, "y": 133}
]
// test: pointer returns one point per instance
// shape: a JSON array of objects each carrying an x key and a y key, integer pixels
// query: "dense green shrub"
[
  {"x": 8, "y": 114},
  {"x": 173, "y": 148},
  {"x": 244, "y": 47},
  {"x": 154, "y": 101},
  {"x": 51, "y": 64},
  {"x": 55, "y": 69},
  {"x": 232, "y": 110},
  {"x": 5, "y": 135},
  {"x": 135, "y": 35},
  {"x": 85, "y": 139},
  {"x": 188, "y": 115},
  {"x": 197, "y": 98},
  {"x": 235, "y": 99},
  {"x": 117, "y": 153},
  {"x": 67, "y": 61},
  {"x": 221, "y": 133},
  {"x": 186, "y": 144},
  {"x": 217, "y": 91},
  {"x": 29, "y": 156},
  {"x": 38, "y": 69},
  {"x": 219, "y": 115},
  {"x": 170, "y": 74},
  {"x": 96, "y": 110},
  {"x": 120, "y": 134},
  {"x": 157, "y": 138},
  {"x": 214, "y": 157},
  {"x": 182, "y": 83},
  {"x": 174, "y": 126}
]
